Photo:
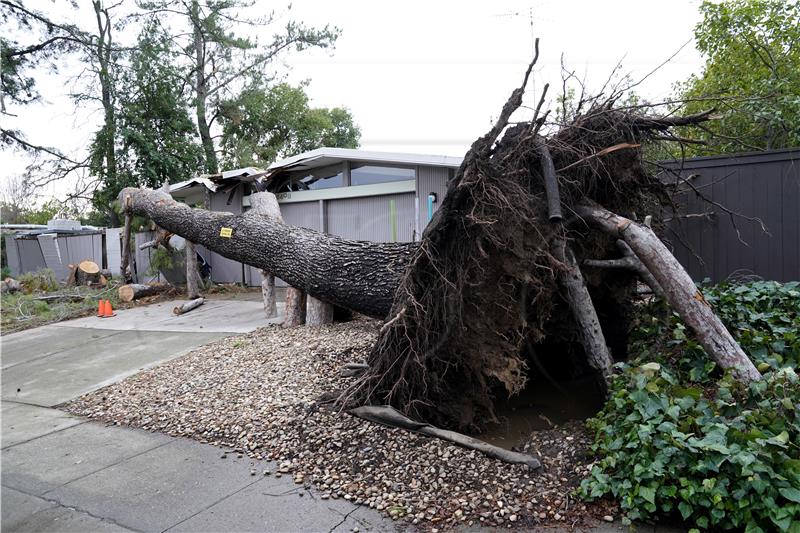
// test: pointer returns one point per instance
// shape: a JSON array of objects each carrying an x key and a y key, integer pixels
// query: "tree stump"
[{"x": 295, "y": 308}]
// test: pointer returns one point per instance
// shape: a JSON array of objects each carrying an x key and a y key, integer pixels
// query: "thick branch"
[
  {"x": 628, "y": 261},
  {"x": 679, "y": 290}
]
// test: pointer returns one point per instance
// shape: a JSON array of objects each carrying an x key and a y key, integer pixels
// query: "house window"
[
  {"x": 369, "y": 174},
  {"x": 320, "y": 178}
]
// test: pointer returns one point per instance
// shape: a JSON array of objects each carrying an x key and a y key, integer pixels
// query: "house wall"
[
  {"x": 224, "y": 270},
  {"x": 388, "y": 218},
  {"x": 430, "y": 180}
]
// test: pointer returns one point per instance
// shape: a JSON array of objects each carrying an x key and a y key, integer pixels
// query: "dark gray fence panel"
[{"x": 762, "y": 185}]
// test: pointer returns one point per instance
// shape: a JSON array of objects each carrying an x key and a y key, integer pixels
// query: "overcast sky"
[{"x": 430, "y": 76}]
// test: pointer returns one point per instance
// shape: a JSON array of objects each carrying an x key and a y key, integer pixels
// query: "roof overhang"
[{"x": 329, "y": 156}]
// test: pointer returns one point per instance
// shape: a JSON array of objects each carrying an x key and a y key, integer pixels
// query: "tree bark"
[
  {"x": 87, "y": 272},
  {"x": 295, "y": 308},
  {"x": 266, "y": 204},
  {"x": 193, "y": 281},
  {"x": 361, "y": 276},
  {"x": 188, "y": 306},
  {"x": 201, "y": 89},
  {"x": 583, "y": 311},
  {"x": 679, "y": 290},
  {"x": 126, "y": 242},
  {"x": 268, "y": 294},
  {"x": 134, "y": 291},
  {"x": 318, "y": 313}
]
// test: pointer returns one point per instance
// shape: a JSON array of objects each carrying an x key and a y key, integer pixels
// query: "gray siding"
[
  {"x": 114, "y": 250},
  {"x": 430, "y": 180},
  {"x": 302, "y": 214},
  {"x": 762, "y": 185},
  {"x": 369, "y": 218},
  {"x": 12, "y": 254},
  {"x": 142, "y": 257},
  {"x": 224, "y": 270},
  {"x": 30, "y": 255},
  {"x": 55, "y": 258}
]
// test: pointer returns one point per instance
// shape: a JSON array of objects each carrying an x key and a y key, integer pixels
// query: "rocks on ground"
[{"x": 257, "y": 394}]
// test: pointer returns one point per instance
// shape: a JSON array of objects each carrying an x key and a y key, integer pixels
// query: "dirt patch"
[{"x": 257, "y": 394}]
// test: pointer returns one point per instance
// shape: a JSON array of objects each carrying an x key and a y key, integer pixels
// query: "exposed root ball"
[{"x": 484, "y": 282}]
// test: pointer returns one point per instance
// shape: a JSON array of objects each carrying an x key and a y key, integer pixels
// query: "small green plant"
[
  {"x": 43, "y": 280},
  {"x": 677, "y": 437},
  {"x": 160, "y": 260},
  {"x": 5, "y": 272}
]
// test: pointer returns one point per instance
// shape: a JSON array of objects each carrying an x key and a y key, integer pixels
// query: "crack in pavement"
[{"x": 344, "y": 518}]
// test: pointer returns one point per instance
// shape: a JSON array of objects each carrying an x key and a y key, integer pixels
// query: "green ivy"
[{"x": 678, "y": 437}]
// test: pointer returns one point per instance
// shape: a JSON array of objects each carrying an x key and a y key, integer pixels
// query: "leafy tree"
[
  {"x": 221, "y": 61},
  {"x": 155, "y": 138},
  {"x": 265, "y": 124},
  {"x": 751, "y": 75},
  {"x": 31, "y": 40}
]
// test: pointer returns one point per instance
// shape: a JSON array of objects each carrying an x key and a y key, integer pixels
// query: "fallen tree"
[{"x": 496, "y": 280}]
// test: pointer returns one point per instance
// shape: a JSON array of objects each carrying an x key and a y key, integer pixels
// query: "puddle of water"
[{"x": 542, "y": 405}]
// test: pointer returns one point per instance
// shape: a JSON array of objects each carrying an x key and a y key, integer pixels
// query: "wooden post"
[
  {"x": 193, "y": 281},
  {"x": 318, "y": 312},
  {"x": 126, "y": 241},
  {"x": 679, "y": 290},
  {"x": 266, "y": 204},
  {"x": 295, "y": 308}
]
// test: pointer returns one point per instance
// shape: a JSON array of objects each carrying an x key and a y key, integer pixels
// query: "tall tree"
[
  {"x": 155, "y": 138},
  {"x": 264, "y": 124},
  {"x": 751, "y": 74},
  {"x": 222, "y": 58},
  {"x": 30, "y": 40}
]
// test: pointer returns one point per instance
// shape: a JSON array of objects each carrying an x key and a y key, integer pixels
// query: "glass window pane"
[{"x": 369, "y": 174}]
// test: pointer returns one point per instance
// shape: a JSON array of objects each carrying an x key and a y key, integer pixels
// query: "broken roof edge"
[
  {"x": 213, "y": 182},
  {"x": 325, "y": 156}
]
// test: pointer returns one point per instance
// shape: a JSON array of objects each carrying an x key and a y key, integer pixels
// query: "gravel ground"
[{"x": 256, "y": 394}]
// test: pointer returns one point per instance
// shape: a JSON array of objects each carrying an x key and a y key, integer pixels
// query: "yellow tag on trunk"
[{"x": 226, "y": 232}]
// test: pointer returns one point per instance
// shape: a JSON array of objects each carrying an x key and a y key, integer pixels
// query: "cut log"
[
  {"x": 134, "y": 291},
  {"x": 361, "y": 276},
  {"x": 680, "y": 291},
  {"x": 318, "y": 313},
  {"x": 188, "y": 306},
  {"x": 295, "y": 308}
]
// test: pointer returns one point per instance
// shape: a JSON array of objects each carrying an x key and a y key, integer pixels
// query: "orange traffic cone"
[
  {"x": 108, "y": 311},
  {"x": 101, "y": 308}
]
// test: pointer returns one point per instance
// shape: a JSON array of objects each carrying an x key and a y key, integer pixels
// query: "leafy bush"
[
  {"x": 160, "y": 260},
  {"x": 43, "y": 280},
  {"x": 679, "y": 437}
]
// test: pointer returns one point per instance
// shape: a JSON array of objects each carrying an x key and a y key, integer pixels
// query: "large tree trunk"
[{"x": 361, "y": 276}]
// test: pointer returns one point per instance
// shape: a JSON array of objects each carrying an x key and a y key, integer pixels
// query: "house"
[{"x": 355, "y": 194}]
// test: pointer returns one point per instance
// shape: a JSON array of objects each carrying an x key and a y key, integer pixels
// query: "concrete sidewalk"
[{"x": 64, "y": 473}]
